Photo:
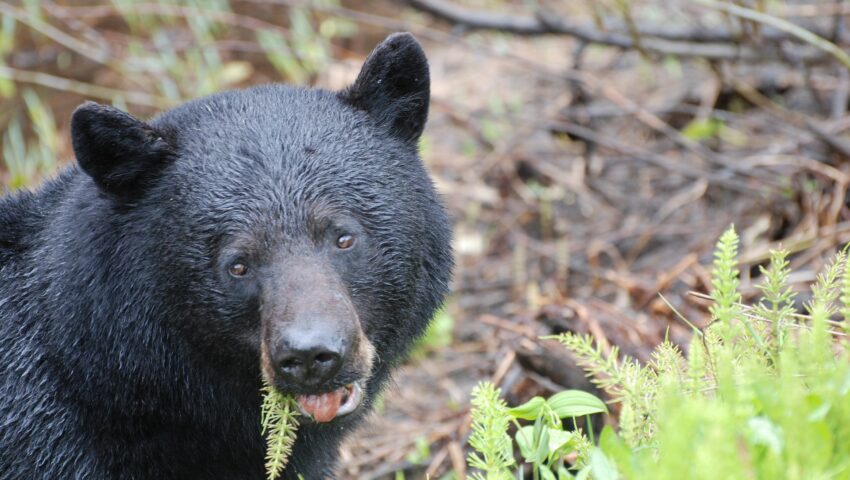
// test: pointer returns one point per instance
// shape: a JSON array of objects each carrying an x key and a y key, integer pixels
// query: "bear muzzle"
[{"x": 316, "y": 349}]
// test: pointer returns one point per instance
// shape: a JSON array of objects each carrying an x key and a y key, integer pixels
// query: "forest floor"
[{"x": 587, "y": 187}]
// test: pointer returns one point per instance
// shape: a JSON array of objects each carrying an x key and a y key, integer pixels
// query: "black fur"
[
  {"x": 396, "y": 97},
  {"x": 120, "y": 164},
  {"x": 126, "y": 351}
]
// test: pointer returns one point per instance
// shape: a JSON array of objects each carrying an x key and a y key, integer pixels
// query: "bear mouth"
[{"x": 324, "y": 407}]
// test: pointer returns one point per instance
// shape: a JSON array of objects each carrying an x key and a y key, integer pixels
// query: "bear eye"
[
  {"x": 238, "y": 269},
  {"x": 345, "y": 241}
]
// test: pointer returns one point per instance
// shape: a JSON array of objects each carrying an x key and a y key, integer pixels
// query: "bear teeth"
[{"x": 351, "y": 399}]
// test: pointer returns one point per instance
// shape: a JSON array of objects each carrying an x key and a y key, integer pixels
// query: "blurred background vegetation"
[{"x": 590, "y": 152}]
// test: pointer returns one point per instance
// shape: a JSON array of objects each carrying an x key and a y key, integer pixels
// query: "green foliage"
[
  {"x": 777, "y": 303},
  {"x": 702, "y": 128},
  {"x": 421, "y": 452},
  {"x": 439, "y": 333},
  {"x": 164, "y": 52},
  {"x": 543, "y": 444},
  {"x": 490, "y": 420},
  {"x": 280, "y": 425},
  {"x": 26, "y": 160},
  {"x": 624, "y": 379},
  {"x": 725, "y": 278},
  {"x": 304, "y": 50},
  {"x": 762, "y": 393}
]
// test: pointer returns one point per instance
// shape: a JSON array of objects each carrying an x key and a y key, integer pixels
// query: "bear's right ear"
[
  {"x": 394, "y": 87},
  {"x": 118, "y": 151}
]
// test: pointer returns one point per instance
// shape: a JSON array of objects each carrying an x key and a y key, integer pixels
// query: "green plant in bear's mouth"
[{"x": 280, "y": 426}]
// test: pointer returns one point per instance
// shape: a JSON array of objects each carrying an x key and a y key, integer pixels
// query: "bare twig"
[
  {"x": 82, "y": 88},
  {"x": 710, "y": 43},
  {"x": 94, "y": 53},
  {"x": 637, "y": 153},
  {"x": 842, "y": 95},
  {"x": 781, "y": 24}
]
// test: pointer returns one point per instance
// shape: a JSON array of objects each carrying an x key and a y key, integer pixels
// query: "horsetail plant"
[
  {"x": 845, "y": 295},
  {"x": 279, "y": 425},
  {"x": 763, "y": 391},
  {"x": 489, "y": 437},
  {"x": 777, "y": 303}
]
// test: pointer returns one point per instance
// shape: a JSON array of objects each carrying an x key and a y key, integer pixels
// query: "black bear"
[{"x": 276, "y": 232}]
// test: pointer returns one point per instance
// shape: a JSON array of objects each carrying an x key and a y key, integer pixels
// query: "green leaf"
[
  {"x": 525, "y": 441},
  {"x": 818, "y": 407},
  {"x": 584, "y": 473},
  {"x": 764, "y": 432},
  {"x": 538, "y": 427},
  {"x": 547, "y": 474},
  {"x": 528, "y": 410},
  {"x": 602, "y": 467},
  {"x": 702, "y": 129},
  {"x": 542, "y": 452},
  {"x": 560, "y": 443},
  {"x": 576, "y": 403},
  {"x": 564, "y": 474},
  {"x": 614, "y": 446}
]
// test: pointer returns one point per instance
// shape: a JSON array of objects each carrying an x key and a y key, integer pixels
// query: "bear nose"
[
  {"x": 311, "y": 366},
  {"x": 310, "y": 350}
]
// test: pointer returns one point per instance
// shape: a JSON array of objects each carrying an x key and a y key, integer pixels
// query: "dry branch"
[{"x": 716, "y": 43}]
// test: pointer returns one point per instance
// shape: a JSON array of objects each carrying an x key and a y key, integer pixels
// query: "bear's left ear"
[
  {"x": 118, "y": 151},
  {"x": 394, "y": 87}
]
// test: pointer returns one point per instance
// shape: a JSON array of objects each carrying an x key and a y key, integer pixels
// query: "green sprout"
[{"x": 280, "y": 426}]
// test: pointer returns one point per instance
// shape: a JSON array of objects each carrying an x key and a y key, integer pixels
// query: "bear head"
[{"x": 290, "y": 233}]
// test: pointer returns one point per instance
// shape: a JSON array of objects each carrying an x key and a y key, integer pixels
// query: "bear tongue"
[{"x": 322, "y": 407}]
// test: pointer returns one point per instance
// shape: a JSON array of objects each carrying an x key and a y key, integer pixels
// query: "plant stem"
[{"x": 780, "y": 24}]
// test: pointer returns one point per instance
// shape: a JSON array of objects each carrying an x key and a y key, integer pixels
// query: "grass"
[{"x": 142, "y": 57}]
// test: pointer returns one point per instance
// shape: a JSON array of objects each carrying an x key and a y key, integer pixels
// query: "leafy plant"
[
  {"x": 27, "y": 160},
  {"x": 489, "y": 437},
  {"x": 280, "y": 425},
  {"x": 763, "y": 392},
  {"x": 544, "y": 444},
  {"x": 437, "y": 335}
]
